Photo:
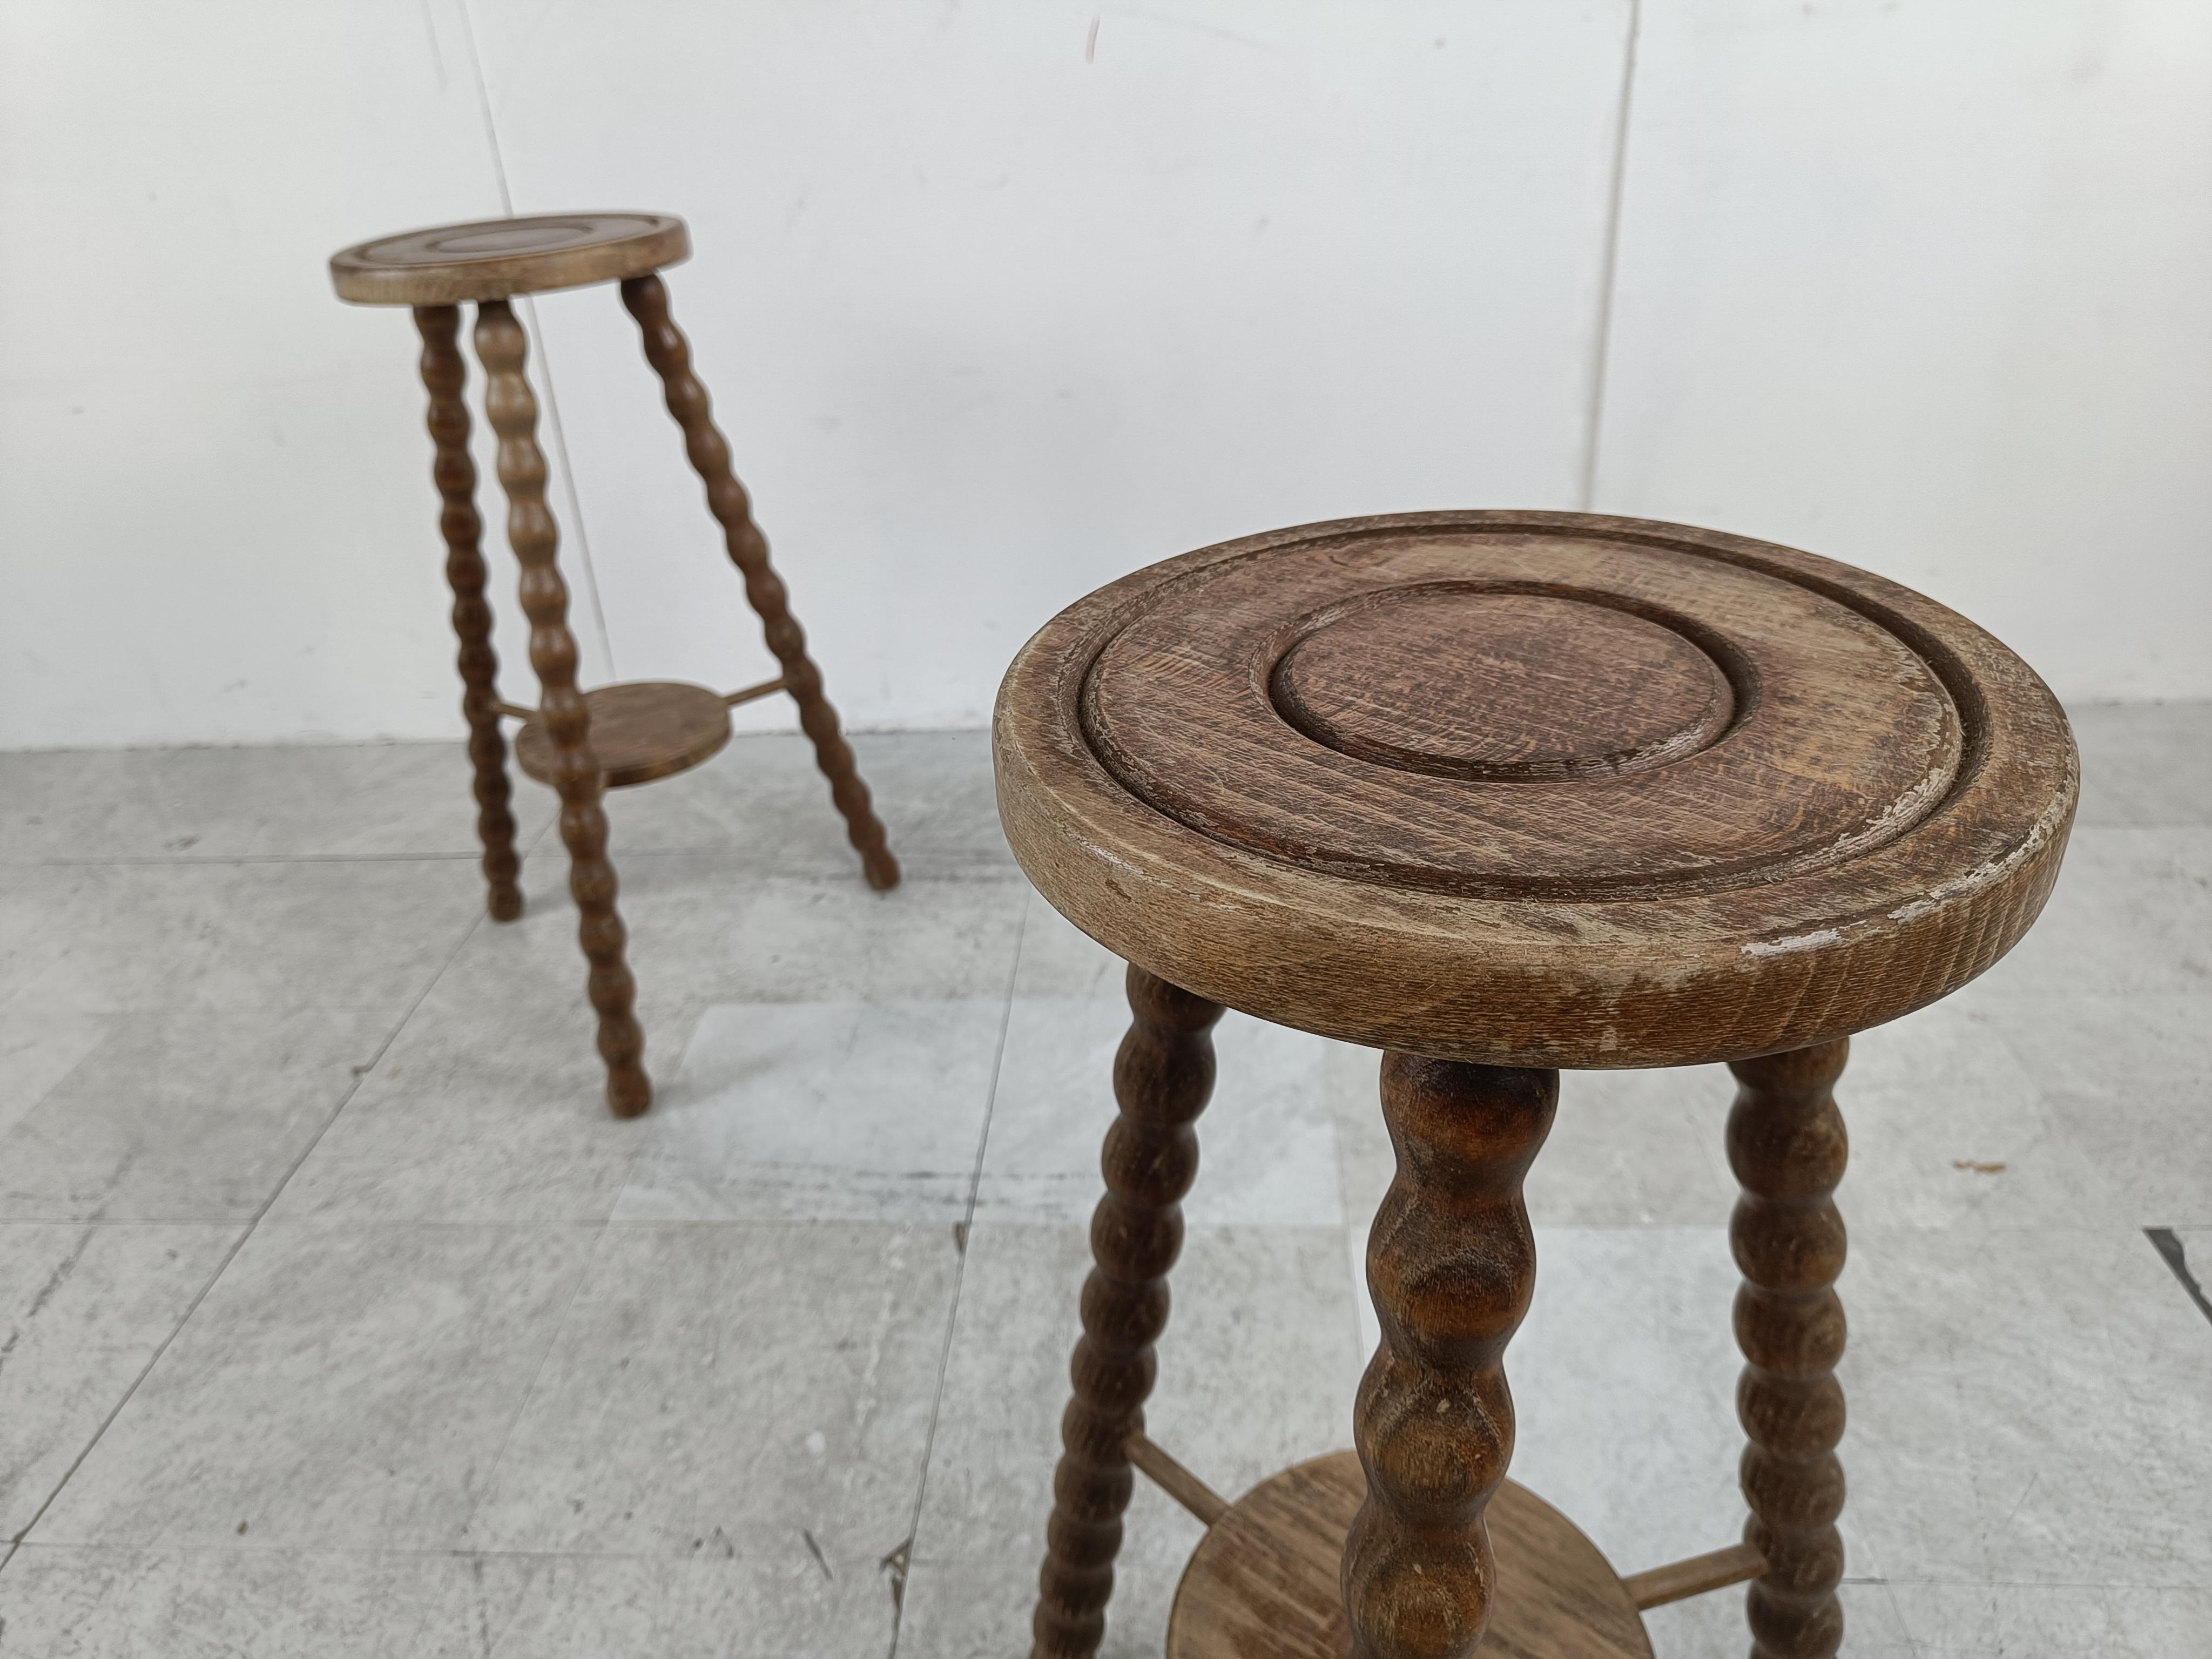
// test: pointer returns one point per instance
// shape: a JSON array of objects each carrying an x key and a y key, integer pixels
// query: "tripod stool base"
[{"x": 1262, "y": 1584}]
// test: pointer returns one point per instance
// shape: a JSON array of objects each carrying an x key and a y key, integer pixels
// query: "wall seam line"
[{"x": 1609, "y": 261}]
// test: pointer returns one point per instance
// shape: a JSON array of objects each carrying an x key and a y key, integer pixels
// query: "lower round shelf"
[
  {"x": 641, "y": 731},
  {"x": 1262, "y": 1583}
]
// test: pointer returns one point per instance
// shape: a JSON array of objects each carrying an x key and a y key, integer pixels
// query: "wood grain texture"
[
  {"x": 1263, "y": 1582},
  {"x": 670, "y": 354},
  {"x": 495, "y": 258},
  {"x": 1450, "y": 1265},
  {"x": 445, "y": 374},
  {"x": 1177, "y": 1481},
  {"x": 640, "y": 729},
  {"x": 513, "y": 410},
  {"x": 1787, "y": 1145},
  {"x": 1538, "y": 789},
  {"x": 1501, "y": 686},
  {"x": 1163, "y": 1076},
  {"x": 1698, "y": 1575}
]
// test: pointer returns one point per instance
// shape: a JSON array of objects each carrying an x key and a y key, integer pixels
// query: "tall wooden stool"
[
  {"x": 1500, "y": 794},
  {"x": 581, "y": 743}
]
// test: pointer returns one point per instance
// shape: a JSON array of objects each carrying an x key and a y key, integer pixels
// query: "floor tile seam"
[
  {"x": 100, "y": 1430},
  {"x": 985, "y": 1219},
  {"x": 2131, "y": 1586},
  {"x": 392, "y": 1553},
  {"x": 529, "y": 1393},
  {"x": 244, "y": 1233},
  {"x": 686, "y": 1559},
  {"x": 967, "y": 1237},
  {"x": 1897, "y": 1612},
  {"x": 1947, "y": 1229},
  {"x": 643, "y": 1135},
  {"x": 774, "y": 1222},
  {"x": 335, "y": 1225},
  {"x": 1081, "y": 1223},
  {"x": 239, "y": 1219},
  {"x": 231, "y": 860},
  {"x": 958, "y": 862},
  {"x": 1006, "y": 874}
]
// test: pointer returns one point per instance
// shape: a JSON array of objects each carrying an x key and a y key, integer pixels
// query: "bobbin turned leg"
[
  {"x": 1162, "y": 1078},
  {"x": 445, "y": 372},
  {"x": 670, "y": 354},
  {"x": 1451, "y": 1265},
  {"x": 513, "y": 411},
  {"x": 1787, "y": 1145}
]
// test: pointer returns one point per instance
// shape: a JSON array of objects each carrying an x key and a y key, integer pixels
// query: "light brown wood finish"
[
  {"x": 632, "y": 733},
  {"x": 1163, "y": 1075},
  {"x": 1263, "y": 1583},
  {"x": 497, "y": 258},
  {"x": 1177, "y": 1481},
  {"x": 1539, "y": 789},
  {"x": 670, "y": 354},
  {"x": 1450, "y": 1265},
  {"x": 746, "y": 694},
  {"x": 1678, "y": 1581},
  {"x": 1386, "y": 680},
  {"x": 445, "y": 372},
  {"x": 1787, "y": 1145},
  {"x": 1502, "y": 792},
  {"x": 640, "y": 729},
  {"x": 513, "y": 411}
]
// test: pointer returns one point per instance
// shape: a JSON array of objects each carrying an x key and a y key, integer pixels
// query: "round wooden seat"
[
  {"x": 494, "y": 258},
  {"x": 1535, "y": 789}
]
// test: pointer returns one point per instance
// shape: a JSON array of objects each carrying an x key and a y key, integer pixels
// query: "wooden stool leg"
[
  {"x": 1451, "y": 1264},
  {"x": 445, "y": 372},
  {"x": 670, "y": 354},
  {"x": 513, "y": 410},
  {"x": 1162, "y": 1078},
  {"x": 1787, "y": 1145}
]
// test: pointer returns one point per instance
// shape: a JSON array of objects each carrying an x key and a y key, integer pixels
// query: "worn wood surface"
[
  {"x": 495, "y": 258},
  {"x": 1495, "y": 686},
  {"x": 445, "y": 374},
  {"x": 1262, "y": 1583},
  {"x": 1451, "y": 1266},
  {"x": 1787, "y": 1145},
  {"x": 1163, "y": 1076},
  {"x": 1542, "y": 789},
  {"x": 640, "y": 729},
  {"x": 513, "y": 410},
  {"x": 670, "y": 354}
]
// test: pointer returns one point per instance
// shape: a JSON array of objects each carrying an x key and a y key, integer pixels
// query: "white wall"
[
  {"x": 995, "y": 308},
  {"x": 1928, "y": 286}
]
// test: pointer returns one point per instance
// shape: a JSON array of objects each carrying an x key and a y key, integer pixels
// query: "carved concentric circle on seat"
[
  {"x": 494, "y": 258},
  {"x": 1501, "y": 684},
  {"x": 1543, "y": 789}
]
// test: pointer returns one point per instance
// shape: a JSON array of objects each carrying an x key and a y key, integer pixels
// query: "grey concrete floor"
[{"x": 339, "y": 1318}]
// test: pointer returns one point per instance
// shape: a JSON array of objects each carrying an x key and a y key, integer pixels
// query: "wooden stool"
[
  {"x": 1498, "y": 793},
  {"x": 580, "y": 743}
]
